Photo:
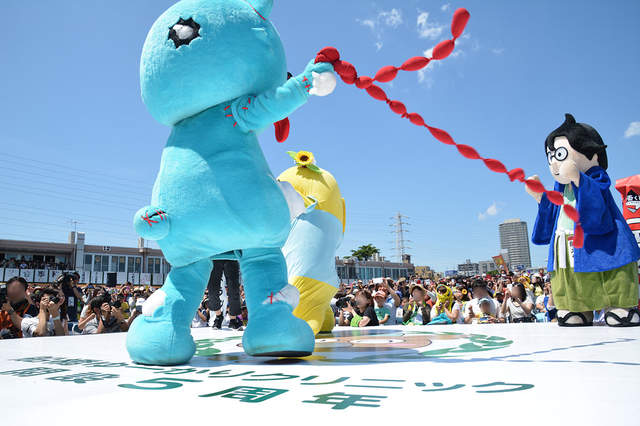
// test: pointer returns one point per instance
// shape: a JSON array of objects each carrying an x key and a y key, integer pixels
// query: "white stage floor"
[{"x": 457, "y": 374}]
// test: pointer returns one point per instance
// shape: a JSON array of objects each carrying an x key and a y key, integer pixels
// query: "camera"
[
  {"x": 3, "y": 294},
  {"x": 343, "y": 302},
  {"x": 97, "y": 302},
  {"x": 39, "y": 293}
]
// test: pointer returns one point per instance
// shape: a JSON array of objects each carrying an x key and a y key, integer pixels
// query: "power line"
[
  {"x": 67, "y": 220},
  {"x": 49, "y": 210},
  {"x": 62, "y": 176},
  {"x": 66, "y": 167},
  {"x": 21, "y": 185},
  {"x": 43, "y": 193},
  {"x": 52, "y": 226}
]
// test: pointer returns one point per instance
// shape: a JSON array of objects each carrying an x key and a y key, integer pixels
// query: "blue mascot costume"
[{"x": 215, "y": 71}]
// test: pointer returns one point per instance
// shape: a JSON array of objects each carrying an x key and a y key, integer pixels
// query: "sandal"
[
  {"x": 623, "y": 322},
  {"x": 562, "y": 321}
]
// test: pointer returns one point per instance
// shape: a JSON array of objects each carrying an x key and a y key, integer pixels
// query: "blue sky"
[{"x": 76, "y": 142}]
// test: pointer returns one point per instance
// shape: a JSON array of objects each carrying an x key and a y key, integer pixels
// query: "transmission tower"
[{"x": 399, "y": 229}]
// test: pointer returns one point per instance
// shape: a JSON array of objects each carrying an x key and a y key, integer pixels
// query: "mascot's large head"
[
  {"x": 315, "y": 185},
  {"x": 201, "y": 53},
  {"x": 577, "y": 142}
]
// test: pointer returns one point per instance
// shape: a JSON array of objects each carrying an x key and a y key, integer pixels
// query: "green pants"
[{"x": 592, "y": 291}]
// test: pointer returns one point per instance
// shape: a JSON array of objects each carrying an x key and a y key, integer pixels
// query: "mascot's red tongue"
[{"x": 282, "y": 130}]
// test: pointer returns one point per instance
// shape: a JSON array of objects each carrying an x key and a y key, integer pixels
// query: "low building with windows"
[
  {"x": 350, "y": 269},
  {"x": 42, "y": 262}
]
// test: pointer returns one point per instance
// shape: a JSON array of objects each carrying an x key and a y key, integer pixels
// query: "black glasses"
[{"x": 559, "y": 154}]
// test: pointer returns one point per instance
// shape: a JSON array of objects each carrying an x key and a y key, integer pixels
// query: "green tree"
[{"x": 365, "y": 252}]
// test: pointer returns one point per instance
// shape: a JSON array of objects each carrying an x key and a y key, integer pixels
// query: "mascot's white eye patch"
[{"x": 184, "y": 32}]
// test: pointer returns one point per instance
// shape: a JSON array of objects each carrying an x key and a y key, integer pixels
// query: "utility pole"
[
  {"x": 74, "y": 223},
  {"x": 399, "y": 230}
]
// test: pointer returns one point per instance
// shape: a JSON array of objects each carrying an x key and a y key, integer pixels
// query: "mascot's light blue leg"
[
  {"x": 162, "y": 334},
  {"x": 272, "y": 328}
]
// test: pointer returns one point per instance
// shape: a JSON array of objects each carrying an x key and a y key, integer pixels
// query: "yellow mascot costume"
[{"x": 317, "y": 228}]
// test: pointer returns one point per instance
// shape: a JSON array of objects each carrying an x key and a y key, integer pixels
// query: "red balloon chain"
[{"x": 349, "y": 75}]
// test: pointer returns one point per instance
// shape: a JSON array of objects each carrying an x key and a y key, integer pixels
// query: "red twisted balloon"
[{"x": 349, "y": 75}]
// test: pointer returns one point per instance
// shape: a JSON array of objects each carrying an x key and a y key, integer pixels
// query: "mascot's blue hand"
[
  {"x": 152, "y": 223},
  {"x": 306, "y": 78}
]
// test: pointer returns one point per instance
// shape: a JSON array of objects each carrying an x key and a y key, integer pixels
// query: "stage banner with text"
[
  {"x": 41, "y": 276},
  {"x": 27, "y": 274},
  {"x": 145, "y": 279},
  {"x": 10, "y": 273},
  {"x": 84, "y": 277},
  {"x": 53, "y": 274},
  {"x": 158, "y": 279},
  {"x": 96, "y": 277}
]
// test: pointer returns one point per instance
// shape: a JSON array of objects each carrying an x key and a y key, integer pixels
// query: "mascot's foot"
[
  {"x": 273, "y": 331},
  {"x": 314, "y": 306},
  {"x": 162, "y": 334},
  {"x": 574, "y": 319},
  {"x": 622, "y": 317},
  {"x": 156, "y": 342}
]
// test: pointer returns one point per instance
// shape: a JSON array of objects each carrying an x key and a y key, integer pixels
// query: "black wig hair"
[{"x": 582, "y": 137}]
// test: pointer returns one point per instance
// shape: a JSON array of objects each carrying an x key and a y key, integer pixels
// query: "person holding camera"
[
  {"x": 67, "y": 284},
  {"x": 201, "y": 319},
  {"x": 14, "y": 306},
  {"x": 344, "y": 316},
  {"x": 51, "y": 319},
  {"x": 472, "y": 311},
  {"x": 544, "y": 303},
  {"x": 364, "y": 314},
  {"x": 102, "y": 317},
  {"x": 518, "y": 304},
  {"x": 417, "y": 312}
]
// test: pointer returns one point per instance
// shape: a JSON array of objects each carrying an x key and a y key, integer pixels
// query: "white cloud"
[
  {"x": 390, "y": 19},
  {"x": 492, "y": 210},
  {"x": 445, "y": 7},
  {"x": 367, "y": 23},
  {"x": 427, "y": 28},
  {"x": 424, "y": 75},
  {"x": 633, "y": 129},
  {"x": 497, "y": 50}
]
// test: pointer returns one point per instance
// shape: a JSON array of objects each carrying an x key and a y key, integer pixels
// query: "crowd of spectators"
[
  {"x": 64, "y": 308},
  {"x": 33, "y": 264},
  {"x": 483, "y": 299}
]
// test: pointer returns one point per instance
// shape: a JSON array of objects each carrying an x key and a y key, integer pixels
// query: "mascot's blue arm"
[
  {"x": 595, "y": 217},
  {"x": 545, "y": 222},
  {"x": 254, "y": 113}
]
